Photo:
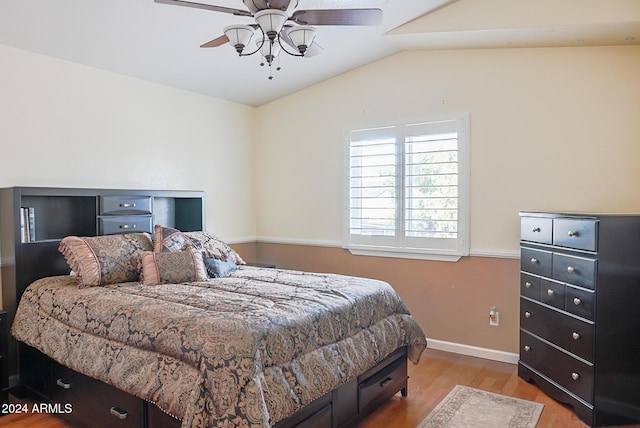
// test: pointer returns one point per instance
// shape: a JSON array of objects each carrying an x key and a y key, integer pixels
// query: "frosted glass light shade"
[
  {"x": 271, "y": 21},
  {"x": 268, "y": 49},
  {"x": 302, "y": 37},
  {"x": 239, "y": 36}
]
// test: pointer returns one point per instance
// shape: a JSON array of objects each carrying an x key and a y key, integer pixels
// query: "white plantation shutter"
[{"x": 407, "y": 189}]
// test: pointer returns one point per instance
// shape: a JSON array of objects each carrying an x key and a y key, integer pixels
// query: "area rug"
[{"x": 466, "y": 407}]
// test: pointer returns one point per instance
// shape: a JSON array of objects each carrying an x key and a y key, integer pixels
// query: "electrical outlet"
[{"x": 494, "y": 317}]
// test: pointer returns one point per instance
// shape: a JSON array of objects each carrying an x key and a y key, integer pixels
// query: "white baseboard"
[{"x": 473, "y": 351}]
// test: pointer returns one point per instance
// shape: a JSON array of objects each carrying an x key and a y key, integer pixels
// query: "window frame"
[{"x": 453, "y": 248}]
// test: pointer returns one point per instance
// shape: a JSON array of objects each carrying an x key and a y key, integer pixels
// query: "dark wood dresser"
[{"x": 580, "y": 312}]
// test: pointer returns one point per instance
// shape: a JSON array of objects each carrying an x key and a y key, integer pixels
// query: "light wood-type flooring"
[{"x": 429, "y": 382}]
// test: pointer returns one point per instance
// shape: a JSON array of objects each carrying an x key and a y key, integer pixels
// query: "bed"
[{"x": 183, "y": 323}]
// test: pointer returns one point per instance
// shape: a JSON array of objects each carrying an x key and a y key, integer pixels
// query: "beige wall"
[
  {"x": 551, "y": 129},
  {"x": 62, "y": 124},
  {"x": 73, "y": 126}
]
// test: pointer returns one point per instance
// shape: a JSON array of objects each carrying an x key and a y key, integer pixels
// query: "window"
[{"x": 407, "y": 190}]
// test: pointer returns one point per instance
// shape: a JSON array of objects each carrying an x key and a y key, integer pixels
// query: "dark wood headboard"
[{"x": 33, "y": 220}]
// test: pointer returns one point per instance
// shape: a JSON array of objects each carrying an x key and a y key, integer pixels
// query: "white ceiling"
[{"x": 160, "y": 43}]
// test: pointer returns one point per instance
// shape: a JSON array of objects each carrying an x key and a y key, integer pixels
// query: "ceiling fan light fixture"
[
  {"x": 302, "y": 37},
  {"x": 255, "y": 5},
  {"x": 271, "y": 21},
  {"x": 268, "y": 49},
  {"x": 239, "y": 36}
]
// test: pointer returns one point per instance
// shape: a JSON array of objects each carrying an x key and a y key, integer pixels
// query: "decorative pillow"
[
  {"x": 218, "y": 268},
  {"x": 168, "y": 239},
  {"x": 108, "y": 259},
  {"x": 171, "y": 268}
]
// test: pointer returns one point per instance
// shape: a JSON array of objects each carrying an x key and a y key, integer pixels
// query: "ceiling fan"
[{"x": 272, "y": 18}]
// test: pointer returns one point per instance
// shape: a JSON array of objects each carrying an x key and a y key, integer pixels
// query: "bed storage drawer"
[
  {"x": 382, "y": 384},
  {"x": 76, "y": 393},
  {"x": 156, "y": 418}
]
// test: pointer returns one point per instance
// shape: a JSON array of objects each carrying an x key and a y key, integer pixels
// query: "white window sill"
[{"x": 404, "y": 254}]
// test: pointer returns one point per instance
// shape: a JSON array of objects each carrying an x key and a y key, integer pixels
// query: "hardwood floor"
[
  {"x": 438, "y": 372},
  {"x": 429, "y": 382}
]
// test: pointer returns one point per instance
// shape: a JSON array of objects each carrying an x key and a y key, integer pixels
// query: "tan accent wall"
[{"x": 450, "y": 300}]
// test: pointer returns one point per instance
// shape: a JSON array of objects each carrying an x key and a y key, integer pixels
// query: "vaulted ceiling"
[{"x": 161, "y": 43}]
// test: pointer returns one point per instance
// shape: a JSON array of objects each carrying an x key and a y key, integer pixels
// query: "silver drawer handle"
[
  {"x": 571, "y": 269},
  {"x": 573, "y": 233},
  {"x": 527, "y": 348},
  {"x": 534, "y": 261},
  {"x": 528, "y": 284},
  {"x": 127, "y": 226},
  {"x": 575, "y": 376},
  {"x": 119, "y": 413},
  {"x": 577, "y": 301},
  {"x": 550, "y": 292},
  {"x": 386, "y": 382},
  {"x": 127, "y": 205},
  {"x": 62, "y": 384},
  {"x": 527, "y": 314},
  {"x": 535, "y": 229},
  {"x": 575, "y": 336}
]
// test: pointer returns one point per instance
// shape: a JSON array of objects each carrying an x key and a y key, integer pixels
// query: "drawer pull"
[
  {"x": 119, "y": 413},
  {"x": 575, "y": 376},
  {"x": 127, "y": 226},
  {"x": 571, "y": 269},
  {"x": 550, "y": 292},
  {"x": 536, "y": 229},
  {"x": 386, "y": 382},
  {"x": 573, "y": 233},
  {"x": 62, "y": 384},
  {"x": 527, "y": 348},
  {"x": 527, "y": 314},
  {"x": 528, "y": 284},
  {"x": 534, "y": 261},
  {"x": 128, "y": 205},
  {"x": 575, "y": 336},
  {"x": 577, "y": 301}
]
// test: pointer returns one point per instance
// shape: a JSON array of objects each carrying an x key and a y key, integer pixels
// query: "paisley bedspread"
[{"x": 245, "y": 350}]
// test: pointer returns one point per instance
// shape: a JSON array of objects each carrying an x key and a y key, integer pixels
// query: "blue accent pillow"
[{"x": 218, "y": 268}]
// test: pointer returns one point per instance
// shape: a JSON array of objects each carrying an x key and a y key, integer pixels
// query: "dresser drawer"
[
  {"x": 125, "y": 224},
  {"x": 572, "y": 334},
  {"x": 125, "y": 205},
  {"x": 530, "y": 286},
  {"x": 552, "y": 293},
  {"x": 575, "y": 233},
  {"x": 536, "y": 229},
  {"x": 580, "y": 302},
  {"x": 574, "y": 270},
  {"x": 537, "y": 262},
  {"x": 569, "y": 372}
]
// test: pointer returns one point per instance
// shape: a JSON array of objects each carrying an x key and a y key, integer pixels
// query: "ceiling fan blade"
[
  {"x": 338, "y": 17},
  {"x": 216, "y": 42},
  {"x": 238, "y": 12}
]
